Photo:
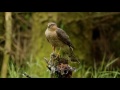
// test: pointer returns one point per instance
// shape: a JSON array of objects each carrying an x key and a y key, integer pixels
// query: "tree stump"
[{"x": 59, "y": 67}]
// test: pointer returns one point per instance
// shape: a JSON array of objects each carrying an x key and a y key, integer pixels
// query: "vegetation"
[
  {"x": 95, "y": 35},
  {"x": 34, "y": 70}
]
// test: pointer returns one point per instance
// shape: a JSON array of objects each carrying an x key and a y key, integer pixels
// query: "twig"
[
  {"x": 25, "y": 74},
  {"x": 46, "y": 60}
]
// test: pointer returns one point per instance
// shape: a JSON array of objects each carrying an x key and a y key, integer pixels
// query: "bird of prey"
[{"x": 58, "y": 38}]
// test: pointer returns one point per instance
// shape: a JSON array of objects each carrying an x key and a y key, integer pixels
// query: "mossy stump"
[{"x": 59, "y": 67}]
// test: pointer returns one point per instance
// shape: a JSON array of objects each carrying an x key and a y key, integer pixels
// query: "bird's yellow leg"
[
  {"x": 58, "y": 54},
  {"x": 53, "y": 49}
]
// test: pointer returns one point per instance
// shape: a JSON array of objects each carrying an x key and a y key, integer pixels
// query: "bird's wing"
[{"x": 64, "y": 37}]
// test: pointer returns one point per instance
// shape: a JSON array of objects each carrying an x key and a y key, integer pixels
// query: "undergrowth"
[{"x": 38, "y": 69}]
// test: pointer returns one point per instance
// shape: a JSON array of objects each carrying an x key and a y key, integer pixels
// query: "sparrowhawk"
[{"x": 58, "y": 38}]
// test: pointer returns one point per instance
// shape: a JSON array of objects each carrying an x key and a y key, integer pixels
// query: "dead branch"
[{"x": 26, "y": 75}]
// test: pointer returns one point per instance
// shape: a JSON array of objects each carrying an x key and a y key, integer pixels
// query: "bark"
[{"x": 8, "y": 34}]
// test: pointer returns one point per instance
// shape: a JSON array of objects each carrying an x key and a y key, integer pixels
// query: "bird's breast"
[{"x": 53, "y": 38}]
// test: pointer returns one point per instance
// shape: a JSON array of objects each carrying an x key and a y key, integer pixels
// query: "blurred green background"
[{"x": 95, "y": 35}]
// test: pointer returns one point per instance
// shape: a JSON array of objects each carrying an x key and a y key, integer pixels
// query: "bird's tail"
[{"x": 72, "y": 57}]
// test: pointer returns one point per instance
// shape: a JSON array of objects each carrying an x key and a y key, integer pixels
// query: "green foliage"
[
  {"x": 13, "y": 71},
  {"x": 102, "y": 71},
  {"x": 29, "y": 39},
  {"x": 38, "y": 69}
]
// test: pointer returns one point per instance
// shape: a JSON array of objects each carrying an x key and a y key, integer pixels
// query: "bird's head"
[{"x": 52, "y": 26}]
